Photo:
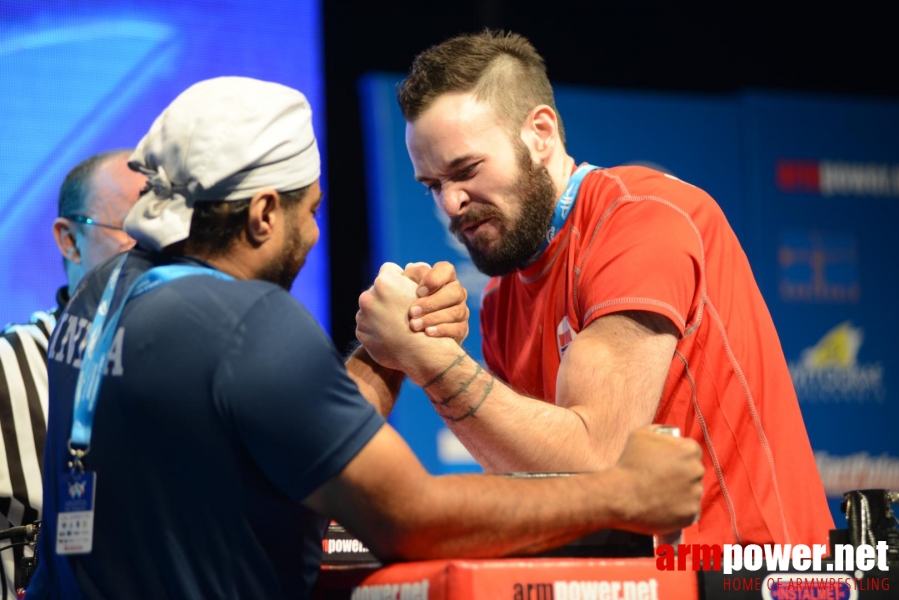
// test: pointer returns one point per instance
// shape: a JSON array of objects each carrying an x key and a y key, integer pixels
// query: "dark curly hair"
[{"x": 216, "y": 225}]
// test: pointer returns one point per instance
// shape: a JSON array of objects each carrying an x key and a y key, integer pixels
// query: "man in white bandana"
[{"x": 204, "y": 429}]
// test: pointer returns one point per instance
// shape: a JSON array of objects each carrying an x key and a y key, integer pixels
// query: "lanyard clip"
[{"x": 75, "y": 465}]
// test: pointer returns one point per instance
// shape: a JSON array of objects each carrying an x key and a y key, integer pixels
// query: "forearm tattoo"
[
  {"x": 471, "y": 409},
  {"x": 462, "y": 389},
  {"x": 444, "y": 372}
]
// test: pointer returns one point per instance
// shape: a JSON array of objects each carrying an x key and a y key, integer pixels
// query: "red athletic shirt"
[{"x": 638, "y": 239}]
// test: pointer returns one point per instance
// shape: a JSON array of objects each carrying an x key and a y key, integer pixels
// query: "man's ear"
[
  {"x": 540, "y": 132},
  {"x": 262, "y": 216},
  {"x": 65, "y": 236}
]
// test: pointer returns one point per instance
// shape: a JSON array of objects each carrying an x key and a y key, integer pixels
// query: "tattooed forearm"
[
  {"x": 462, "y": 389},
  {"x": 444, "y": 372},
  {"x": 473, "y": 409},
  {"x": 443, "y": 403}
]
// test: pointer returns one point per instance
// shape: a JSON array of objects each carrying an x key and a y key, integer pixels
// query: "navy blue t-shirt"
[{"x": 223, "y": 406}]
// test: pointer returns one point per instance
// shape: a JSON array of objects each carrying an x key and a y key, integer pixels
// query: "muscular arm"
[
  {"x": 613, "y": 375},
  {"x": 386, "y": 498},
  {"x": 610, "y": 381}
]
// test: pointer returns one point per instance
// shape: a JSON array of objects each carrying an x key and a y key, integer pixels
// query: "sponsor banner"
[
  {"x": 822, "y": 183},
  {"x": 818, "y": 267},
  {"x": 829, "y": 370},
  {"x": 534, "y": 579},
  {"x": 597, "y": 579},
  {"x": 838, "y": 178},
  {"x": 859, "y": 471},
  {"x": 340, "y": 547}
]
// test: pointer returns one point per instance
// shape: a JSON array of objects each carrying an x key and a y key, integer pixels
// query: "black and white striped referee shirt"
[{"x": 23, "y": 430}]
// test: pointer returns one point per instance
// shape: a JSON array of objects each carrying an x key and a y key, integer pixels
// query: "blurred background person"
[{"x": 93, "y": 201}]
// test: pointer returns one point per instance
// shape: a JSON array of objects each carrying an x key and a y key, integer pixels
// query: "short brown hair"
[{"x": 500, "y": 68}]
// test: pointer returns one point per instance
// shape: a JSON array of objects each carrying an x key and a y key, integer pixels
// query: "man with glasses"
[{"x": 93, "y": 201}]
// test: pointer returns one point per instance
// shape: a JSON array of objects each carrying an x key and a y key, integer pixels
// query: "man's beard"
[
  {"x": 520, "y": 239},
  {"x": 284, "y": 270}
]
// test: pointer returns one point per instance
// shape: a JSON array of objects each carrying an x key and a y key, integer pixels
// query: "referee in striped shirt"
[{"x": 93, "y": 201}]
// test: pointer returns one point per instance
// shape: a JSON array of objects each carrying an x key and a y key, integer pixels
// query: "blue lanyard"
[
  {"x": 564, "y": 206},
  {"x": 93, "y": 363}
]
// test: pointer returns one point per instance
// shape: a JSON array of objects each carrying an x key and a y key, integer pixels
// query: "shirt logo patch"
[{"x": 564, "y": 336}]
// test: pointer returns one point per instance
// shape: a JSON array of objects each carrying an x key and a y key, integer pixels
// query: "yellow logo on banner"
[
  {"x": 829, "y": 371},
  {"x": 837, "y": 349}
]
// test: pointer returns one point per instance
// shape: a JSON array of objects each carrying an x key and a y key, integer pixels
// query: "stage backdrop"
[
  {"x": 822, "y": 189},
  {"x": 809, "y": 185},
  {"x": 82, "y": 77}
]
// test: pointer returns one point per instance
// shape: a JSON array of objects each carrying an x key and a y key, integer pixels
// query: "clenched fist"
[
  {"x": 409, "y": 312},
  {"x": 663, "y": 481}
]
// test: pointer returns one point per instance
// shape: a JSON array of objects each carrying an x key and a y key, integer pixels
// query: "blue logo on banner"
[{"x": 818, "y": 267}]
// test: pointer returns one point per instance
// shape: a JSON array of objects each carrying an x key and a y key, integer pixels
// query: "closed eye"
[
  {"x": 460, "y": 175},
  {"x": 466, "y": 173},
  {"x": 432, "y": 188}
]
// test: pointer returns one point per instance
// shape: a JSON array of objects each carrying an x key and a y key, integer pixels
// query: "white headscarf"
[{"x": 221, "y": 139}]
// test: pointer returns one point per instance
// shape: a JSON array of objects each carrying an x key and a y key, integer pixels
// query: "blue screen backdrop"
[{"x": 78, "y": 78}]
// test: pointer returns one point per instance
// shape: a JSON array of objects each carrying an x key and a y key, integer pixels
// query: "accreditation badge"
[{"x": 75, "y": 526}]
